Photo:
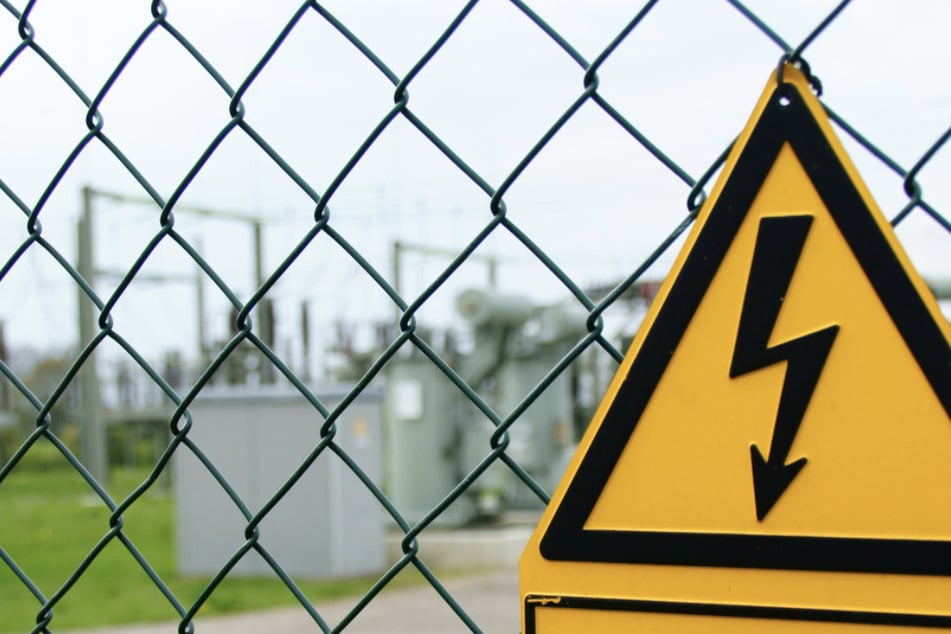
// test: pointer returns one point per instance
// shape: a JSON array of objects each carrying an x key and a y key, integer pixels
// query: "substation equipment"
[{"x": 435, "y": 436}]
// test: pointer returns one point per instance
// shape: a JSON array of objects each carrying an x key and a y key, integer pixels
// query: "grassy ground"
[{"x": 49, "y": 522}]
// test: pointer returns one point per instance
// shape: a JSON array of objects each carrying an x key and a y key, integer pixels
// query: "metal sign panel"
[{"x": 782, "y": 421}]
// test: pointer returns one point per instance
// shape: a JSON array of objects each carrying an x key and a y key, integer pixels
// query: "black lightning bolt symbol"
[{"x": 778, "y": 248}]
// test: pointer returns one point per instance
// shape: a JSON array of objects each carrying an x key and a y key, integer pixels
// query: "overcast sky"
[{"x": 594, "y": 199}]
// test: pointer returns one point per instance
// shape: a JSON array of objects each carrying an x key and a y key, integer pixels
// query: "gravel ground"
[{"x": 490, "y": 599}]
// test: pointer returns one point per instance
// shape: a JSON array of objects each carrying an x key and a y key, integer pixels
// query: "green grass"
[{"x": 50, "y": 521}]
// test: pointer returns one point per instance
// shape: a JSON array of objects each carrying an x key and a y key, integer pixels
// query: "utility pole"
[
  {"x": 265, "y": 313},
  {"x": 92, "y": 448},
  {"x": 305, "y": 342},
  {"x": 92, "y": 438},
  {"x": 200, "y": 306},
  {"x": 399, "y": 248}
]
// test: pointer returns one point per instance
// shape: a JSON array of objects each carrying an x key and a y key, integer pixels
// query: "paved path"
[{"x": 491, "y": 600}]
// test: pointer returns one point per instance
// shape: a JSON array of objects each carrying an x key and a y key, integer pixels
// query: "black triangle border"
[{"x": 785, "y": 119}]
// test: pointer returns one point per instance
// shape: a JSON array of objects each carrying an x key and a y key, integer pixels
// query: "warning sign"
[{"x": 785, "y": 406}]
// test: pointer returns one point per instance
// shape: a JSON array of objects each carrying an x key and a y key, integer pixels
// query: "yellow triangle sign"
[{"x": 786, "y": 404}]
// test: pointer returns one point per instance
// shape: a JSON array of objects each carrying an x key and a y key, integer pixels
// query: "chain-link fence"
[{"x": 695, "y": 71}]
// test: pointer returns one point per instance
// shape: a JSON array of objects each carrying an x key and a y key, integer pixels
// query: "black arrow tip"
[{"x": 770, "y": 480}]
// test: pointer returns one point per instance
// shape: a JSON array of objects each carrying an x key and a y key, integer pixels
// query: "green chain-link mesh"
[{"x": 407, "y": 335}]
